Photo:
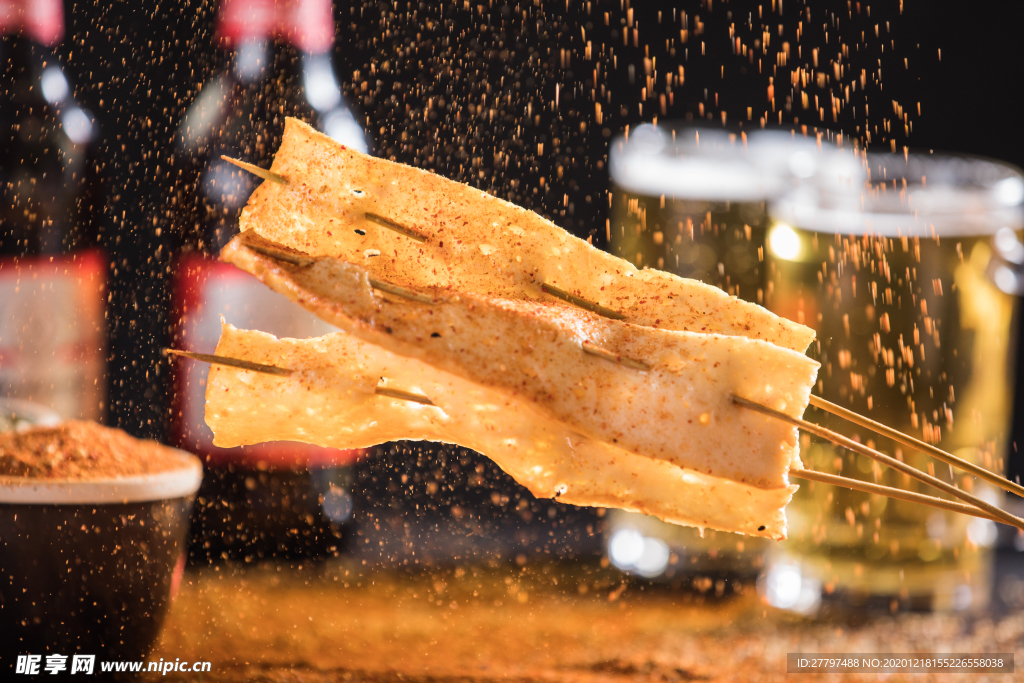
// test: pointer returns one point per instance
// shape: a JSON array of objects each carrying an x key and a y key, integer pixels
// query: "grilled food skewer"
[
  {"x": 572, "y": 299},
  {"x": 808, "y": 475},
  {"x": 950, "y": 489},
  {"x": 387, "y": 287}
]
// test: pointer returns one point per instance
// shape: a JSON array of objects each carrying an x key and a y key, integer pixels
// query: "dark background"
[{"x": 137, "y": 66}]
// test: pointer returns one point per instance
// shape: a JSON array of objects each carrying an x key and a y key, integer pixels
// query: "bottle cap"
[
  {"x": 306, "y": 24},
  {"x": 40, "y": 20}
]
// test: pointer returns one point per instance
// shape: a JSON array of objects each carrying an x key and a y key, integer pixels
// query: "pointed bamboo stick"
[
  {"x": 285, "y": 372},
  {"x": 391, "y": 225},
  {"x": 911, "y": 442},
  {"x": 889, "y": 492},
  {"x": 280, "y": 255},
  {"x": 231, "y": 362},
  {"x": 593, "y": 350},
  {"x": 404, "y": 395},
  {"x": 305, "y": 262},
  {"x": 580, "y": 302},
  {"x": 256, "y": 170},
  {"x": 850, "y": 444},
  {"x": 400, "y": 291}
]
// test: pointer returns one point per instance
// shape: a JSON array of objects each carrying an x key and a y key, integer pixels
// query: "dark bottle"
[
  {"x": 53, "y": 276},
  {"x": 284, "y": 500}
]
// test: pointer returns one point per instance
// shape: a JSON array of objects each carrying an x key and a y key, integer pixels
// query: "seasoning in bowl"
[
  {"x": 79, "y": 450},
  {"x": 93, "y": 531}
]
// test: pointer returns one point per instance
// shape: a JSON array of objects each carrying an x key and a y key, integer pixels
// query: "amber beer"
[
  {"x": 906, "y": 278},
  {"x": 691, "y": 200}
]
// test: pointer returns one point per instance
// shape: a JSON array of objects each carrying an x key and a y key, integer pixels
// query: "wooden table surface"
[{"x": 548, "y": 622}]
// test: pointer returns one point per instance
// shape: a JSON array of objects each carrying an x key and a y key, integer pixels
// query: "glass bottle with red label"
[
  {"x": 281, "y": 499},
  {"x": 53, "y": 276}
]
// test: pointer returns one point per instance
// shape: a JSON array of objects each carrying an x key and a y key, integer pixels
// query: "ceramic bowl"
[{"x": 90, "y": 567}]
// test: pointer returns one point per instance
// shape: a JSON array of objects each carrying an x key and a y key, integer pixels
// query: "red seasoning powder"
[{"x": 81, "y": 450}]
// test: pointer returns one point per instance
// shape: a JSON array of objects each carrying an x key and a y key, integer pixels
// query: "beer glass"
[
  {"x": 906, "y": 276},
  {"x": 691, "y": 200}
]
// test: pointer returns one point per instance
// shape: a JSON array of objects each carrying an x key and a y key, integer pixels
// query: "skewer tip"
[
  {"x": 395, "y": 227},
  {"x": 594, "y": 350},
  {"x": 580, "y": 302},
  {"x": 230, "y": 362},
  {"x": 256, "y": 170}
]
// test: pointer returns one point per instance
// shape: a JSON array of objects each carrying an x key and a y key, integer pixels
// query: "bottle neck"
[
  {"x": 251, "y": 60},
  {"x": 241, "y": 114},
  {"x": 44, "y": 138},
  {"x": 24, "y": 61}
]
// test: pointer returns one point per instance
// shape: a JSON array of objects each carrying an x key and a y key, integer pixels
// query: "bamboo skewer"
[
  {"x": 400, "y": 291},
  {"x": 305, "y": 262},
  {"x": 231, "y": 362},
  {"x": 918, "y": 445},
  {"x": 280, "y": 255},
  {"x": 605, "y": 354},
  {"x": 404, "y": 395},
  {"x": 850, "y": 444},
  {"x": 391, "y": 225},
  {"x": 580, "y": 302},
  {"x": 285, "y": 372},
  {"x": 256, "y": 170},
  {"x": 890, "y": 492}
]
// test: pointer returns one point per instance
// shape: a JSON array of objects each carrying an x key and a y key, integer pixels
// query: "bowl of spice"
[{"x": 93, "y": 531}]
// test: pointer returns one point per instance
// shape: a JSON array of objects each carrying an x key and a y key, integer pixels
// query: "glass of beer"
[
  {"x": 691, "y": 200},
  {"x": 906, "y": 276}
]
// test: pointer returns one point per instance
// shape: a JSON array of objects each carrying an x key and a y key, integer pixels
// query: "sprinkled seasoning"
[{"x": 81, "y": 450}]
